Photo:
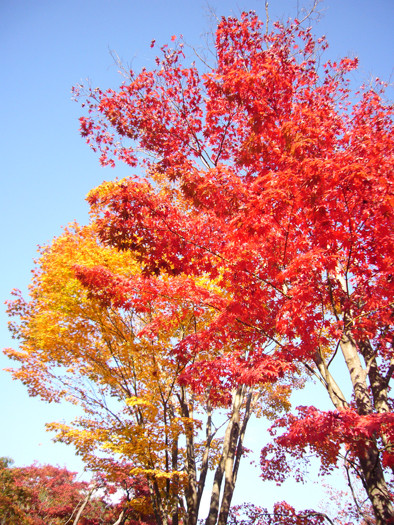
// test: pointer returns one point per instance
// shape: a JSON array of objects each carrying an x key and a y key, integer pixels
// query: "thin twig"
[
  {"x": 315, "y": 4},
  {"x": 267, "y": 18}
]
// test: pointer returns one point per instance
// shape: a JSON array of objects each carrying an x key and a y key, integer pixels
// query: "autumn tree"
[
  {"x": 266, "y": 175},
  {"x": 13, "y": 498},
  {"x": 99, "y": 333},
  {"x": 48, "y": 495}
]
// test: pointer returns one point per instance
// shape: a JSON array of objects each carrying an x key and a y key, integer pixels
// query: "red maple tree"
[
  {"x": 49, "y": 495},
  {"x": 267, "y": 175}
]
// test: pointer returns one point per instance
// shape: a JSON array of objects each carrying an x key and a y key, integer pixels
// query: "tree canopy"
[
  {"x": 48, "y": 495},
  {"x": 262, "y": 233},
  {"x": 99, "y": 334}
]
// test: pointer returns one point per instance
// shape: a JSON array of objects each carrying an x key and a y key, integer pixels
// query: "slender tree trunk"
[
  {"x": 228, "y": 450},
  {"x": 229, "y": 482},
  {"x": 120, "y": 519},
  {"x": 205, "y": 458},
  {"x": 191, "y": 489},
  {"x": 233, "y": 461},
  {"x": 376, "y": 485},
  {"x": 336, "y": 395},
  {"x": 82, "y": 507},
  {"x": 369, "y": 458},
  {"x": 357, "y": 374},
  {"x": 175, "y": 482},
  {"x": 160, "y": 514},
  {"x": 379, "y": 385}
]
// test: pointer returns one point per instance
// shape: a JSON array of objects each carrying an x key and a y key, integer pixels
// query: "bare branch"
[
  {"x": 310, "y": 12},
  {"x": 267, "y": 18}
]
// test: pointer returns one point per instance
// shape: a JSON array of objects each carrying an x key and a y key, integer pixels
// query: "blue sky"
[{"x": 47, "y": 169}]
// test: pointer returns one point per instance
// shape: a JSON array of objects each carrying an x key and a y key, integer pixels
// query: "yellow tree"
[{"x": 98, "y": 333}]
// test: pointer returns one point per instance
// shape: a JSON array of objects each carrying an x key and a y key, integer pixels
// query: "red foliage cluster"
[
  {"x": 265, "y": 216},
  {"x": 282, "y": 514},
  {"x": 48, "y": 495},
  {"x": 266, "y": 176},
  {"x": 323, "y": 433}
]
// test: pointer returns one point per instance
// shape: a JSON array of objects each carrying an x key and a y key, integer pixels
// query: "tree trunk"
[
  {"x": 160, "y": 514},
  {"x": 175, "y": 482},
  {"x": 233, "y": 461},
  {"x": 379, "y": 385},
  {"x": 336, "y": 395},
  {"x": 375, "y": 485},
  {"x": 226, "y": 461},
  {"x": 82, "y": 507},
  {"x": 120, "y": 519},
  {"x": 205, "y": 457},
  {"x": 191, "y": 489},
  {"x": 229, "y": 483},
  {"x": 369, "y": 458}
]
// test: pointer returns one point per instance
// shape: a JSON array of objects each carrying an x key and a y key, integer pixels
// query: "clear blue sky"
[{"x": 46, "y": 168}]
